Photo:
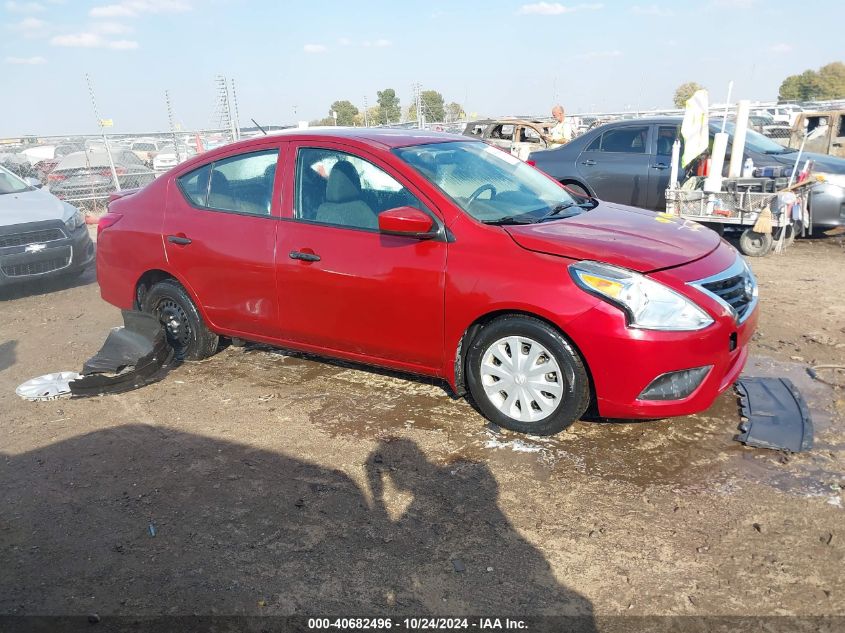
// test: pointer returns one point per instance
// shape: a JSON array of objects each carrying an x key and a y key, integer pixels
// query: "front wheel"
[
  {"x": 183, "y": 324},
  {"x": 525, "y": 376}
]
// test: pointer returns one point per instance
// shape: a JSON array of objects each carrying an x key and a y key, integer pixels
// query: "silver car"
[{"x": 40, "y": 236}]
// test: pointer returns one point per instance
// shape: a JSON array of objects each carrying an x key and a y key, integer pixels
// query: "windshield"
[
  {"x": 9, "y": 183},
  {"x": 756, "y": 142},
  {"x": 489, "y": 184}
]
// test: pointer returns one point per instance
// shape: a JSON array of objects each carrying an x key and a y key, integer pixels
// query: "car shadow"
[
  {"x": 345, "y": 364},
  {"x": 46, "y": 286},
  {"x": 148, "y": 520},
  {"x": 8, "y": 355}
]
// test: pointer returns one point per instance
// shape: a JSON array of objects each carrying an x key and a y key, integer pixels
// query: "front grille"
[
  {"x": 733, "y": 292},
  {"x": 31, "y": 237},
  {"x": 36, "y": 268}
]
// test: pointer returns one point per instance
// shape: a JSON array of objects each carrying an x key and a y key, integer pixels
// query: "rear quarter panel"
[{"x": 133, "y": 245}]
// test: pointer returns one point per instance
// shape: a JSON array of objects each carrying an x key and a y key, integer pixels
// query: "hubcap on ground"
[{"x": 521, "y": 378}]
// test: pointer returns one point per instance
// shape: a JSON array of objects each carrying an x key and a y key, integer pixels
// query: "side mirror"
[
  {"x": 407, "y": 222},
  {"x": 34, "y": 182}
]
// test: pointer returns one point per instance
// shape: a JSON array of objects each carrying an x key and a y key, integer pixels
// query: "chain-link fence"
[{"x": 85, "y": 170}]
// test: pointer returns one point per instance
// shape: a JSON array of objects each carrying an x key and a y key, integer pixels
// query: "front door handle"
[
  {"x": 660, "y": 166},
  {"x": 589, "y": 162},
  {"x": 181, "y": 240},
  {"x": 306, "y": 257}
]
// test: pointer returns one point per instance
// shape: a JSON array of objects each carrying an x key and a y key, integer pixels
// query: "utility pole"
[
  {"x": 418, "y": 98},
  {"x": 237, "y": 120},
  {"x": 103, "y": 131},
  {"x": 366, "y": 114},
  {"x": 172, "y": 128}
]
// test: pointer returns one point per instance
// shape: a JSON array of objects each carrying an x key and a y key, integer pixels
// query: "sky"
[{"x": 290, "y": 60}]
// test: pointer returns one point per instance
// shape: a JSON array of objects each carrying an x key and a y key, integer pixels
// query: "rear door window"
[
  {"x": 240, "y": 184},
  {"x": 627, "y": 140}
]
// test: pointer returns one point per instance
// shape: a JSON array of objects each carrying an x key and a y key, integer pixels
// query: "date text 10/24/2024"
[{"x": 416, "y": 624}]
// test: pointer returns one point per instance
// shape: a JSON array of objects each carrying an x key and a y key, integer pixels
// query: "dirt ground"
[{"x": 258, "y": 482}]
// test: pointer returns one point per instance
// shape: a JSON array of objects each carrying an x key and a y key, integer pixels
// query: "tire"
[
  {"x": 189, "y": 335},
  {"x": 547, "y": 412},
  {"x": 755, "y": 244},
  {"x": 791, "y": 231},
  {"x": 576, "y": 188}
]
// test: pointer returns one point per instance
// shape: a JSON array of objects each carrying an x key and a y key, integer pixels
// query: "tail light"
[
  {"x": 120, "y": 171},
  {"x": 109, "y": 219},
  {"x": 533, "y": 163}
]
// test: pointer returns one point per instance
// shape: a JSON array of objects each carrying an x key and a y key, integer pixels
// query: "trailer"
[{"x": 738, "y": 208}]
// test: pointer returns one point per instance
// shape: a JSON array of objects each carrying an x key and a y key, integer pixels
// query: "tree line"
[
  {"x": 826, "y": 83},
  {"x": 388, "y": 110}
]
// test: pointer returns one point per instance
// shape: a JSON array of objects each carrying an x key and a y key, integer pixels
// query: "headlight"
[
  {"x": 75, "y": 221},
  {"x": 648, "y": 304}
]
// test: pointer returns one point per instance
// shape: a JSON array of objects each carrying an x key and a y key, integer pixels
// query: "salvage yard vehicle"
[
  {"x": 458, "y": 262},
  {"x": 520, "y": 137},
  {"x": 825, "y": 132},
  {"x": 628, "y": 162},
  {"x": 86, "y": 177},
  {"x": 40, "y": 236}
]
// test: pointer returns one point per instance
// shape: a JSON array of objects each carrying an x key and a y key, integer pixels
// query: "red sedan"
[{"x": 436, "y": 255}]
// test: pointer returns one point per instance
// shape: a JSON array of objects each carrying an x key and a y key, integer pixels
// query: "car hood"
[
  {"x": 822, "y": 162},
  {"x": 31, "y": 206},
  {"x": 633, "y": 238}
]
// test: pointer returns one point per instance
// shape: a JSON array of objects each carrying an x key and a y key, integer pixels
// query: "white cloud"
[
  {"x": 25, "y": 61},
  {"x": 23, "y": 7},
  {"x": 555, "y": 8},
  {"x": 783, "y": 47},
  {"x": 599, "y": 55},
  {"x": 111, "y": 28},
  {"x": 344, "y": 41},
  {"x": 380, "y": 43},
  {"x": 134, "y": 8},
  {"x": 652, "y": 9},
  {"x": 314, "y": 48},
  {"x": 28, "y": 25},
  {"x": 91, "y": 40}
]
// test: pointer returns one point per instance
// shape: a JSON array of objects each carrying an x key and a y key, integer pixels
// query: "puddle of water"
[{"x": 689, "y": 454}]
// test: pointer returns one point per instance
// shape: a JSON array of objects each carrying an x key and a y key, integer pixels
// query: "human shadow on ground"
[{"x": 142, "y": 520}]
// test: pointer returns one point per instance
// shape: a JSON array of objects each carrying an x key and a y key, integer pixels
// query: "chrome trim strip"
[{"x": 739, "y": 267}]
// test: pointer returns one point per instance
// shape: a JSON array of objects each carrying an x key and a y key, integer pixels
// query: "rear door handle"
[
  {"x": 178, "y": 239},
  {"x": 589, "y": 162},
  {"x": 660, "y": 166},
  {"x": 306, "y": 257}
]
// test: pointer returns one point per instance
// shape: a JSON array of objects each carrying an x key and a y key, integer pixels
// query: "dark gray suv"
[{"x": 627, "y": 161}]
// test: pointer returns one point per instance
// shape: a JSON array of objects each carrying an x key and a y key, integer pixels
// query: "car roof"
[
  {"x": 384, "y": 138},
  {"x": 96, "y": 158}
]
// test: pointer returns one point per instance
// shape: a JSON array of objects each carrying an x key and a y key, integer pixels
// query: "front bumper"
[
  {"x": 623, "y": 361},
  {"x": 39, "y": 250}
]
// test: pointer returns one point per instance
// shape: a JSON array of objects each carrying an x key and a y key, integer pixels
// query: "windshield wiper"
[
  {"x": 511, "y": 219},
  {"x": 785, "y": 150},
  {"x": 563, "y": 207}
]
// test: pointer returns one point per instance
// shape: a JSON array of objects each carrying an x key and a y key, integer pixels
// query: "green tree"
[
  {"x": 346, "y": 112},
  {"x": 373, "y": 117},
  {"x": 684, "y": 92},
  {"x": 432, "y": 106},
  {"x": 388, "y": 103},
  {"x": 826, "y": 83},
  {"x": 832, "y": 79},
  {"x": 803, "y": 87},
  {"x": 454, "y": 112}
]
